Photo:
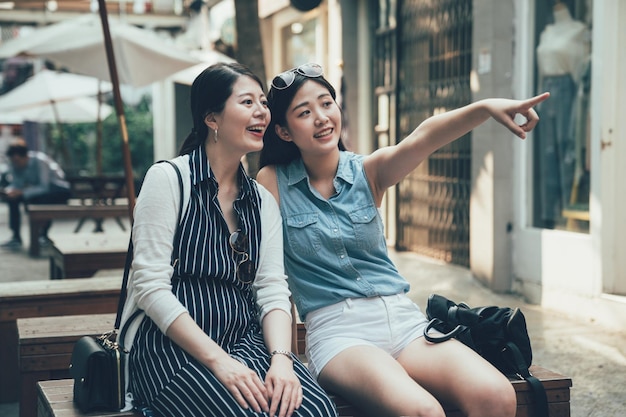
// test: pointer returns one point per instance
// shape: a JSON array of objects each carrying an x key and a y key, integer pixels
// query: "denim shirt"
[{"x": 334, "y": 249}]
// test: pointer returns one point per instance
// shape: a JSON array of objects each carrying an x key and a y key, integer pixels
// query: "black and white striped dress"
[{"x": 164, "y": 377}]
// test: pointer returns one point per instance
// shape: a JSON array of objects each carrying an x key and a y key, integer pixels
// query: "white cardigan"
[{"x": 155, "y": 214}]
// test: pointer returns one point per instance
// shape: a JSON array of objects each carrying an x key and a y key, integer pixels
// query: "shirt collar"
[
  {"x": 199, "y": 165},
  {"x": 201, "y": 171},
  {"x": 297, "y": 172}
]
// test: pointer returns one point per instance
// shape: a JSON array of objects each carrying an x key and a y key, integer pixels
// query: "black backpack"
[{"x": 498, "y": 334}]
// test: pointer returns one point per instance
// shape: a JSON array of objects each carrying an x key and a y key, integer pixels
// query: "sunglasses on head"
[
  {"x": 246, "y": 270},
  {"x": 285, "y": 79}
]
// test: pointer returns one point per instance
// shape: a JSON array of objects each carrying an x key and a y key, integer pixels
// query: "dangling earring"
[{"x": 215, "y": 137}]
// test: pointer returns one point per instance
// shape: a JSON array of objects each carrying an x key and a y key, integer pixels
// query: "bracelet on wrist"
[{"x": 282, "y": 352}]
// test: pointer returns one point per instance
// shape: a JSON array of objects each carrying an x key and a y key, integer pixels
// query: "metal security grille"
[{"x": 434, "y": 63}]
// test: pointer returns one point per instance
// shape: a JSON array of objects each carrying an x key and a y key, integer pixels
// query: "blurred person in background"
[{"x": 33, "y": 178}]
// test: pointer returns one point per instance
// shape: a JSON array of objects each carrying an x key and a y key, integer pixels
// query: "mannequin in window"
[{"x": 562, "y": 53}]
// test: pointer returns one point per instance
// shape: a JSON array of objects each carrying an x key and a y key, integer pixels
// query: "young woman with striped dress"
[{"x": 216, "y": 333}]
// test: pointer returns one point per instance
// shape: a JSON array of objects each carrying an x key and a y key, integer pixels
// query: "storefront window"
[
  {"x": 300, "y": 43},
  {"x": 561, "y": 144}
]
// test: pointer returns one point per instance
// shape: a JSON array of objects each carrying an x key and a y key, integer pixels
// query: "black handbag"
[
  {"x": 97, "y": 368},
  {"x": 98, "y": 363},
  {"x": 498, "y": 334}
]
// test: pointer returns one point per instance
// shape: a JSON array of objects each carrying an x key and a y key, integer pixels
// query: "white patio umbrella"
[
  {"x": 142, "y": 56},
  {"x": 47, "y": 87},
  {"x": 43, "y": 95},
  {"x": 78, "y": 110}
]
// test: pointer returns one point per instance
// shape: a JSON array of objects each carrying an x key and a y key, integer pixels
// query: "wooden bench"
[
  {"x": 39, "y": 214},
  {"x": 103, "y": 189},
  {"x": 45, "y": 298},
  {"x": 55, "y": 397},
  {"x": 83, "y": 256}
]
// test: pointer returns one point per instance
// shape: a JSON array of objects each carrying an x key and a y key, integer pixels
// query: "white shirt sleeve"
[
  {"x": 270, "y": 286},
  {"x": 156, "y": 213}
]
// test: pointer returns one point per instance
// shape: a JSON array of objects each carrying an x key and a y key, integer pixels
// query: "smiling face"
[
  {"x": 313, "y": 120},
  {"x": 244, "y": 119}
]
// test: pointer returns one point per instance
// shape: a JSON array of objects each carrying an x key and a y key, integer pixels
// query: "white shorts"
[{"x": 386, "y": 322}]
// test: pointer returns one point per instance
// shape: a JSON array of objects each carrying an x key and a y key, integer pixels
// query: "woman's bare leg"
[{"x": 454, "y": 373}]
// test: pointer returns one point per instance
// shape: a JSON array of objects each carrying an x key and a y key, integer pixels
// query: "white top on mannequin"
[{"x": 563, "y": 45}]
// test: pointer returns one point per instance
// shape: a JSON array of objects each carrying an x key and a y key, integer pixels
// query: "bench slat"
[
  {"x": 12, "y": 291},
  {"x": 68, "y": 211},
  {"x": 56, "y": 398}
]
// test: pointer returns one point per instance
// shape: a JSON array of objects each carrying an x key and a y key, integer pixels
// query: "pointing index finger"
[{"x": 533, "y": 101}]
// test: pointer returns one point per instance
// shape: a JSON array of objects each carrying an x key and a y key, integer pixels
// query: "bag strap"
[
  {"x": 539, "y": 392},
  {"x": 180, "y": 208},
  {"x": 440, "y": 338},
  {"x": 129, "y": 252}
]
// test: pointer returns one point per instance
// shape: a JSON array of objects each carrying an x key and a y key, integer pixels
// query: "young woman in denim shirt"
[{"x": 364, "y": 335}]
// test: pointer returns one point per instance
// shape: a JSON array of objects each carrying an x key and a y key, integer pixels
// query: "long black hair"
[
  {"x": 209, "y": 93},
  {"x": 275, "y": 150}
]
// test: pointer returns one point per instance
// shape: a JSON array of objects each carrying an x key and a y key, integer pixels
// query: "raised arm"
[{"x": 387, "y": 166}]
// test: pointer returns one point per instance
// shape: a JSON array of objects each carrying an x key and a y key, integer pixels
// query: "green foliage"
[
  {"x": 140, "y": 138},
  {"x": 74, "y": 145}
]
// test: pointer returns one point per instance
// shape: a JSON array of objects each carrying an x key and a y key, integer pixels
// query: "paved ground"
[{"x": 592, "y": 355}]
